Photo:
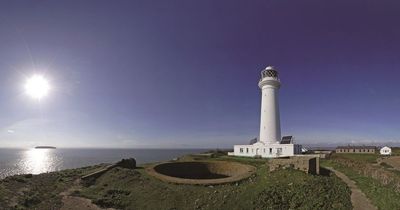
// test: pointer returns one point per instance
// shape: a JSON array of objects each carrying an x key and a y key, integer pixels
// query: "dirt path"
[
  {"x": 74, "y": 202},
  {"x": 358, "y": 198}
]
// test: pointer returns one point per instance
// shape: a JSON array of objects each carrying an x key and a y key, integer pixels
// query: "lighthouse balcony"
[
  {"x": 270, "y": 81},
  {"x": 269, "y": 78}
]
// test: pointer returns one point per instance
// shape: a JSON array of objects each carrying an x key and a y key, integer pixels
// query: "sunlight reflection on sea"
[{"x": 37, "y": 161}]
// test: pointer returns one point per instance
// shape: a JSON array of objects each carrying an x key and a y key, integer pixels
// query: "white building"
[
  {"x": 386, "y": 151},
  {"x": 269, "y": 144}
]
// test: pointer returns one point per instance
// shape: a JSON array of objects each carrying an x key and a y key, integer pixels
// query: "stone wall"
[
  {"x": 306, "y": 163},
  {"x": 124, "y": 163}
]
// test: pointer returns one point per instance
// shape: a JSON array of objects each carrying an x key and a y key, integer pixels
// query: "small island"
[{"x": 45, "y": 147}]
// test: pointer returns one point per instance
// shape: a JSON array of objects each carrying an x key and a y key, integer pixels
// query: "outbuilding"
[
  {"x": 356, "y": 149},
  {"x": 386, "y": 150}
]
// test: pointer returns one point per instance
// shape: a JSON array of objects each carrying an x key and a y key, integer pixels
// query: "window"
[
  {"x": 278, "y": 151},
  {"x": 264, "y": 150},
  {"x": 241, "y": 150},
  {"x": 270, "y": 150},
  {"x": 247, "y": 150}
]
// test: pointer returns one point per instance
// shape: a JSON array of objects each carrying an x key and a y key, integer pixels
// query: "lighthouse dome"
[{"x": 269, "y": 68}]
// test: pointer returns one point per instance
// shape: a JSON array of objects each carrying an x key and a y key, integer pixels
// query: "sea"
[{"x": 35, "y": 161}]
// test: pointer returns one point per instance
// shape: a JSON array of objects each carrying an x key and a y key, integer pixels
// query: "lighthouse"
[
  {"x": 269, "y": 144},
  {"x": 270, "y": 125}
]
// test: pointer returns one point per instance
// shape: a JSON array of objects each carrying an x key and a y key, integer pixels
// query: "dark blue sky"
[{"x": 178, "y": 74}]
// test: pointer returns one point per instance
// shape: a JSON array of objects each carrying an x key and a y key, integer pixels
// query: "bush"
[
  {"x": 31, "y": 199},
  {"x": 113, "y": 198}
]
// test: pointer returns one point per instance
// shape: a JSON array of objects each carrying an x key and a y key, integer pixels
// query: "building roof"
[
  {"x": 356, "y": 147},
  {"x": 287, "y": 140},
  {"x": 253, "y": 141}
]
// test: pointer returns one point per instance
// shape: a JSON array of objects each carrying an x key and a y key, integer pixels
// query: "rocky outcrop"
[{"x": 127, "y": 163}]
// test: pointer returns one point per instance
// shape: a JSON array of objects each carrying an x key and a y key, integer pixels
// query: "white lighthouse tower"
[
  {"x": 270, "y": 125},
  {"x": 269, "y": 144}
]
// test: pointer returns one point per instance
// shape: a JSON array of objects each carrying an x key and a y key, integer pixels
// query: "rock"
[{"x": 127, "y": 163}]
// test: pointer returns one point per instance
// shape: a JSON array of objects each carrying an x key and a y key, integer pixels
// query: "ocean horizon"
[{"x": 15, "y": 161}]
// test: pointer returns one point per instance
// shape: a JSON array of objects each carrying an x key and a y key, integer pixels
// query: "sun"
[{"x": 37, "y": 86}]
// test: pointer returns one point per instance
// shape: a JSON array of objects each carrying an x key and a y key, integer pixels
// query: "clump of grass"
[
  {"x": 113, "y": 198},
  {"x": 30, "y": 199},
  {"x": 301, "y": 193},
  {"x": 385, "y": 165}
]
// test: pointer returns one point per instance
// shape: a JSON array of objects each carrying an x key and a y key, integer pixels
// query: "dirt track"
[
  {"x": 358, "y": 198},
  {"x": 74, "y": 203}
]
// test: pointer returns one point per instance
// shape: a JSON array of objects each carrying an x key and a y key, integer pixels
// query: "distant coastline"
[{"x": 45, "y": 147}]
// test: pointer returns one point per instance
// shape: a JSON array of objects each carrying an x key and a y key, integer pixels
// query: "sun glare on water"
[
  {"x": 37, "y": 161},
  {"x": 37, "y": 87}
]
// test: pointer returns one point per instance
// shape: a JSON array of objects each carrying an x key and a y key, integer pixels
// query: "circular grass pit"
[{"x": 201, "y": 172}]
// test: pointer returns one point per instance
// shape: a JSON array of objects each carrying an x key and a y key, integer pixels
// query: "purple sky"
[{"x": 179, "y": 74}]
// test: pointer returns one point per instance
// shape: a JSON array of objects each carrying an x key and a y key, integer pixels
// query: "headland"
[{"x": 120, "y": 187}]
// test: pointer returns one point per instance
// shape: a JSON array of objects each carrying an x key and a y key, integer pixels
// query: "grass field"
[
  {"x": 134, "y": 189},
  {"x": 285, "y": 189},
  {"x": 396, "y": 151},
  {"x": 368, "y": 158}
]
